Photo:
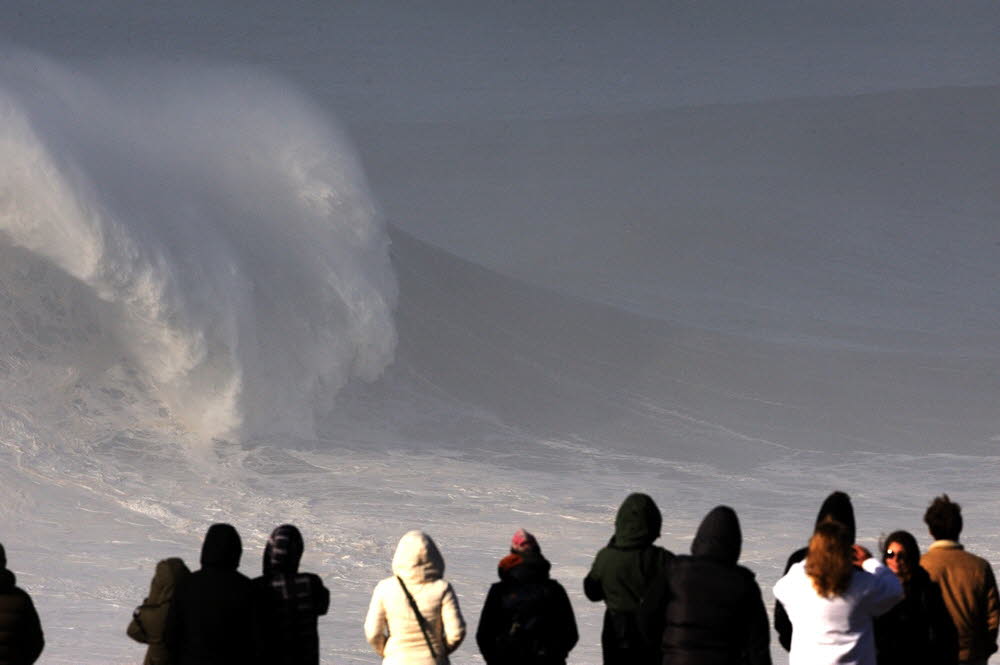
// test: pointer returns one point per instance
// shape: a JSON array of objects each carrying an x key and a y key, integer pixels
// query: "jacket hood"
[
  {"x": 222, "y": 547},
  {"x": 838, "y": 507},
  {"x": 7, "y": 579},
  {"x": 3, "y": 557},
  {"x": 169, "y": 573},
  {"x": 283, "y": 551},
  {"x": 638, "y": 522},
  {"x": 719, "y": 536},
  {"x": 524, "y": 567},
  {"x": 417, "y": 558}
]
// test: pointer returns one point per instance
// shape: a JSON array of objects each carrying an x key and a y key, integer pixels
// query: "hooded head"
[
  {"x": 222, "y": 548},
  {"x": 283, "y": 551},
  {"x": 3, "y": 557},
  {"x": 719, "y": 536},
  {"x": 523, "y": 541},
  {"x": 838, "y": 508},
  {"x": 638, "y": 522},
  {"x": 169, "y": 573},
  {"x": 7, "y": 578},
  {"x": 417, "y": 558}
]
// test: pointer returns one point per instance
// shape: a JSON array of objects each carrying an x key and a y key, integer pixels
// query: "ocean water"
[{"x": 366, "y": 270}]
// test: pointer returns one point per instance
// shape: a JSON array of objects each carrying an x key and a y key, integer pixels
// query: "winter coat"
[
  {"x": 149, "y": 621},
  {"x": 21, "y": 639},
  {"x": 704, "y": 609},
  {"x": 917, "y": 631},
  {"x": 838, "y": 629},
  {"x": 838, "y": 507},
  {"x": 527, "y": 618},
  {"x": 213, "y": 617},
  {"x": 621, "y": 574},
  {"x": 392, "y": 627},
  {"x": 290, "y": 602},
  {"x": 970, "y": 594}
]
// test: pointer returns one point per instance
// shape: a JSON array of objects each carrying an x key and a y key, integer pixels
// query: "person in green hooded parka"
[
  {"x": 149, "y": 620},
  {"x": 621, "y": 573}
]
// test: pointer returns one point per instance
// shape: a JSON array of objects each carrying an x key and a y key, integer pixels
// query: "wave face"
[{"x": 197, "y": 243}]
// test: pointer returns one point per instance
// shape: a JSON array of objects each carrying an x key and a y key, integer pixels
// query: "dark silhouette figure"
[
  {"x": 212, "y": 619},
  {"x": 620, "y": 576},
  {"x": 290, "y": 602},
  {"x": 21, "y": 639},
  {"x": 837, "y": 507},
  {"x": 149, "y": 620},
  {"x": 527, "y": 618},
  {"x": 918, "y": 629},
  {"x": 704, "y": 609}
]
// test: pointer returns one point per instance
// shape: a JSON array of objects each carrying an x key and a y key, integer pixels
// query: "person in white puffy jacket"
[
  {"x": 831, "y": 598},
  {"x": 414, "y": 618}
]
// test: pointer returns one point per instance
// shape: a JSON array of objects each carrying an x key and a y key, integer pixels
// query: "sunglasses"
[{"x": 892, "y": 555}]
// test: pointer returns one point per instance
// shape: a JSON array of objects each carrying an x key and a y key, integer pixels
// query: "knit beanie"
[{"x": 524, "y": 542}]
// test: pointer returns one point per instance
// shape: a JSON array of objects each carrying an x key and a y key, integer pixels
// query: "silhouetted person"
[
  {"x": 149, "y": 620},
  {"x": 704, "y": 609},
  {"x": 21, "y": 639},
  {"x": 918, "y": 629},
  {"x": 620, "y": 576},
  {"x": 290, "y": 602},
  {"x": 212, "y": 619},
  {"x": 837, "y": 507},
  {"x": 966, "y": 581},
  {"x": 527, "y": 618}
]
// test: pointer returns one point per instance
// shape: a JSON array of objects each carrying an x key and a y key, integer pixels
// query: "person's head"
[
  {"x": 3, "y": 557},
  {"x": 830, "y": 559},
  {"x": 638, "y": 521},
  {"x": 417, "y": 558},
  {"x": 719, "y": 537},
  {"x": 524, "y": 542},
  {"x": 944, "y": 518},
  {"x": 901, "y": 554},
  {"x": 838, "y": 507},
  {"x": 222, "y": 547},
  {"x": 283, "y": 551}
]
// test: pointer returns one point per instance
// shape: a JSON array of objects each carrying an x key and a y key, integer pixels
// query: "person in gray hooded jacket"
[{"x": 149, "y": 620}]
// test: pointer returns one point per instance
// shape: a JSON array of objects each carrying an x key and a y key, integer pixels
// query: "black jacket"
[
  {"x": 918, "y": 630},
  {"x": 213, "y": 617},
  {"x": 21, "y": 640},
  {"x": 290, "y": 602},
  {"x": 527, "y": 618},
  {"x": 838, "y": 507},
  {"x": 620, "y": 576},
  {"x": 704, "y": 609}
]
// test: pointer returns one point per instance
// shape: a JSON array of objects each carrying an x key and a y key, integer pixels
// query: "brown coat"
[
  {"x": 970, "y": 594},
  {"x": 149, "y": 619}
]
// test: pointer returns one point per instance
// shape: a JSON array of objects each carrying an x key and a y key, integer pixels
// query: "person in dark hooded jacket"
[
  {"x": 704, "y": 609},
  {"x": 527, "y": 618},
  {"x": 837, "y": 507},
  {"x": 213, "y": 617},
  {"x": 621, "y": 574},
  {"x": 21, "y": 639},
  {"x": 291, "y": 602},
  {"x": 149, "y": 620}
]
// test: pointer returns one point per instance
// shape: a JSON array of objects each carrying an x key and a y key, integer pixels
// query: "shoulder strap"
[{"x": 421, "y": 621}]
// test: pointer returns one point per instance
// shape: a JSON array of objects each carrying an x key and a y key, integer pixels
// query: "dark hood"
[
  {"x": 7, "y": 579},
  {"x": 168, "y": 573},
  {"x": 524, "y": 567},
  {"x": 283, "y": 551},
  {"x": 838, "y": 507},
  {"x": 222, "y": 548},
  {"x": 638, "y": 522},
  {"x": 719, "y": 536},
  {"x": 3, "y": 557}
]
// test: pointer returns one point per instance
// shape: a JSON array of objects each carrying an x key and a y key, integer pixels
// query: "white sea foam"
[{"x": 211, "y": 231}]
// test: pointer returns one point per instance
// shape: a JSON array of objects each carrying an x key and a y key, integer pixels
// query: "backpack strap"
[{"x": 421, "y": 621}]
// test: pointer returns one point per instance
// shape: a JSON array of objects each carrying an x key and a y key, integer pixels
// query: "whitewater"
[{"x": 472, "y": 269}]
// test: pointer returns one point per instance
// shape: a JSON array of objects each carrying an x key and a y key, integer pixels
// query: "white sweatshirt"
[{"x": 839, "y": 629}]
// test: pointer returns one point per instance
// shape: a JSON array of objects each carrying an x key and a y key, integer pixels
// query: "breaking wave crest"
[{"x": 198, "y": 242}]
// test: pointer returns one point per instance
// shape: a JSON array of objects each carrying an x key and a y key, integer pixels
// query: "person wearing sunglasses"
[{"x": 918, "y": 629}]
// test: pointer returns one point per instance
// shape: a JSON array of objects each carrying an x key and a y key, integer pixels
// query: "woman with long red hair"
[{"x": 831, "y": 598}]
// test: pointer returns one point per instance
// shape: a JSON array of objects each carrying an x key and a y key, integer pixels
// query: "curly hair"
[
  {"x": 830, "y": 560},
  {"x": 944, "y": 518}
]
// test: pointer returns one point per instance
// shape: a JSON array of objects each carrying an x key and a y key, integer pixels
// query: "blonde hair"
[{"x": 830, "y": 561}]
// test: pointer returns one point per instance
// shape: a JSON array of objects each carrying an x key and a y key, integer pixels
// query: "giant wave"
[{"x": 181, "y": 246}]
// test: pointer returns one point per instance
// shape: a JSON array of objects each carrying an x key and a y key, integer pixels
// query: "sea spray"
[{"x": 211, "y": 231}]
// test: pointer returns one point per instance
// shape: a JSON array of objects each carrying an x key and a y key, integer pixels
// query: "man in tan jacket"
[{"x": 966, "y": 581}]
